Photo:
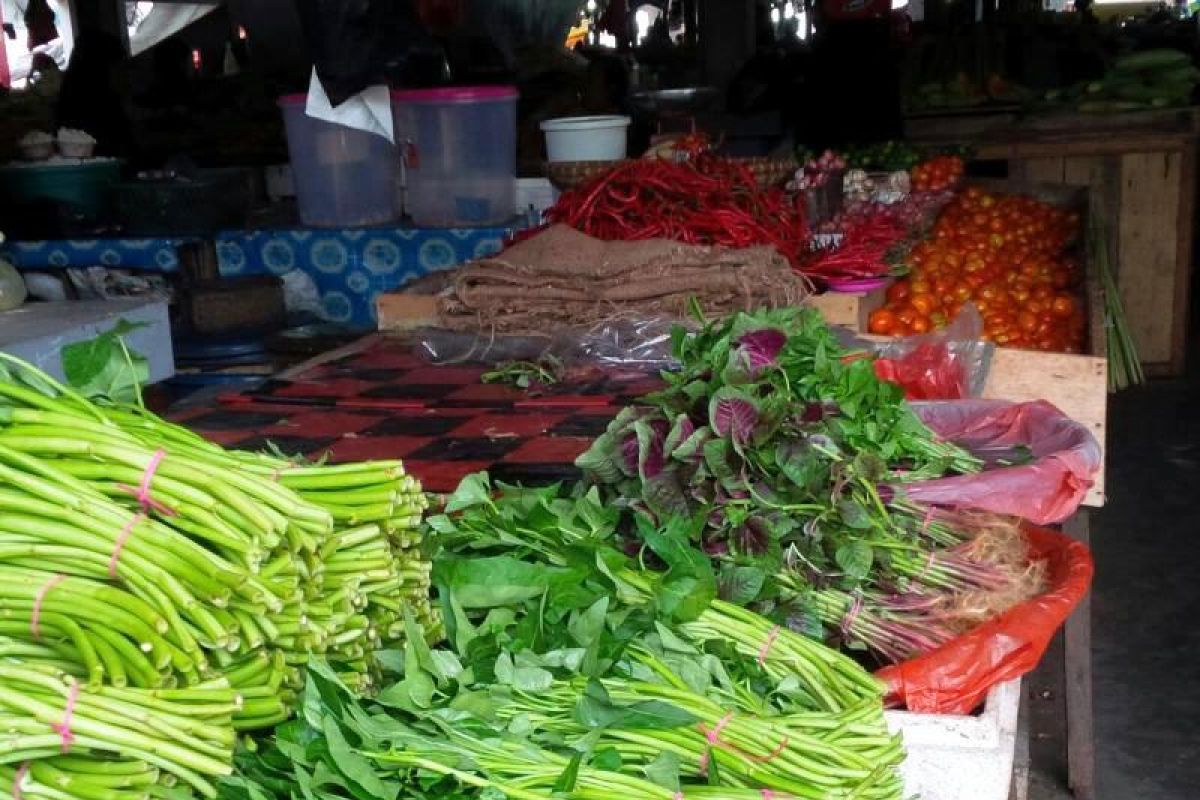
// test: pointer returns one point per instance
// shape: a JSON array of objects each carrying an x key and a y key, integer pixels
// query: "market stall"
[{"x": 670, "y": 473}]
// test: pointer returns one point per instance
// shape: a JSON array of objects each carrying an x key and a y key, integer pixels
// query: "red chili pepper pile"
[
  {"x": 873, "y": 235},
  {"x": 707, "y": 200}
]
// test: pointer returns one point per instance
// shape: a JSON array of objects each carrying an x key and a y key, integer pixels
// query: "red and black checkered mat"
[{"x": 383, "y": 402}]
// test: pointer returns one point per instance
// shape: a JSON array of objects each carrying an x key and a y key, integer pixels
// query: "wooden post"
[{"x": 1081, "y": 742}]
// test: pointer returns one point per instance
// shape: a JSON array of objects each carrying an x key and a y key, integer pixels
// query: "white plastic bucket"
[{"x": 585, "y": 138}]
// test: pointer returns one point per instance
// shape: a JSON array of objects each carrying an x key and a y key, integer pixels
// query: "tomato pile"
[
  {"x": 936, "y": 174},
  {"x": 1003, "y": 253}
]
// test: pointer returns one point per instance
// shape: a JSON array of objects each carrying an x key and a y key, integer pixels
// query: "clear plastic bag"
[
  {"x": 623, "y": 341},
  {"x": 947, "y": 364}
]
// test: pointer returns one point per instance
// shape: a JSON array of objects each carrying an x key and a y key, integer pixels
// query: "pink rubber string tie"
[
  {"x": 64, "y": 728},
  {"x": 35, "y": 619},
  {"x": 122, "y": 538},
  {"x": 851, "y": 614},
  {"x": 765, "y": 650},
  {"x": 767, "y": 794},
  {"x": 142, "y": 492},
  {"x": 677, "y": 796},
  {"x": 714, "y": 738},
  {"x": 18, "y": 779}
]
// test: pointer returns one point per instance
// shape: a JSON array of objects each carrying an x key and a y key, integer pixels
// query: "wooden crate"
[
  {"x": 1140, "y": 170},
  {"x": 849, "y": 309}
]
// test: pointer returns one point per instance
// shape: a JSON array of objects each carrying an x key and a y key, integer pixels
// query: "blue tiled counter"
[
  {"x": 349, "y": 267},
  {"x": 352, "y": 267},
  {"x": 157, "y": 255}
]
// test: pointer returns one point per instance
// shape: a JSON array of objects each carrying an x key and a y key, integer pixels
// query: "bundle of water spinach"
[
  {"x": 159, "y": 595},
  {"x": 573, "y": 669}
]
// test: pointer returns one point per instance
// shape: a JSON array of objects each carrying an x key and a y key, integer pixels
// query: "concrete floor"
[{"x": 1146, "y": 597}]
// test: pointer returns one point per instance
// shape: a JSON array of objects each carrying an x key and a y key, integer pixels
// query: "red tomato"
[
  {"x": 898, "y": 291},
  {"x": 882, "y": 322},
  {"x": 1063, "y": 306}
]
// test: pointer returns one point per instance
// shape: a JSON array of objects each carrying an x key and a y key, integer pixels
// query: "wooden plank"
[
  {"x": 1148, "y": 249},
  {"x": 398, "y": 311},
  {"x": 1102, "y": 177},
  {"x": 1114, "y": 145},
  {"x": 850, "y": 309},
  {"x": 1075, "y": 384},
  {"x": 1039, "y": 170},
  {"x": 1184, "y": 236},
  {"x": 1081, "y": 746}
]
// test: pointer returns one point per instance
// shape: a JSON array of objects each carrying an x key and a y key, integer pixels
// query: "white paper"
[{"x": 370, "y": 110}]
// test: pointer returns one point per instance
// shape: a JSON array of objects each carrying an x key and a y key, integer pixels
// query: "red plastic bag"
[
  {"x": 947, "y": 364},
  {"x": 929, "y": 371},
  {"x": 954, "y": 678},
  {"x": 1065, "y": 458}
]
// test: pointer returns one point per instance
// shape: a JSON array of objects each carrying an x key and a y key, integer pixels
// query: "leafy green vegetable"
[
  {"x": 546, "y": 371},
  {"x": 105, "y": 368}
]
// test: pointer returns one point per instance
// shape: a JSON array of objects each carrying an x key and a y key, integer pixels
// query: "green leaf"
[
  {"x": 607, "y": 758},
  {"x": 664, "y": 770},
  {"x": 741, "y": 585},
  {"x": 473, "y": 490},
  {"x": 716, "y": 458},
  {"x": 601, "y": 459},
  {"x": 585, "y": 628},
  {"x": 355, "y": 767},
  {"x": 596, "y": 710},
  {"x": 690, "y": 585},
  {"x": 854, "y": 515},
  {"x": 413, "y": 694},
  {"x": 105, "y": 367},
  {"x": 527, "y": 679},
  {"x": 855, "y": 558},
  {"x": 503, "y": 580},
  {"x": 566, "y": 781},
  {"x": 673, "y": 643}
]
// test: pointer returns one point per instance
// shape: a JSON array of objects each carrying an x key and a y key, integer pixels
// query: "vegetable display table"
[{"x": 1140, "y": 169}]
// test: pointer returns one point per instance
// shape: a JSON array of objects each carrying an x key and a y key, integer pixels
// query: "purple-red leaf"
[
  {"x": 629, "y": 453},
  {"x": 732, "y": 413},
  {"x": 762, "y": 347}
]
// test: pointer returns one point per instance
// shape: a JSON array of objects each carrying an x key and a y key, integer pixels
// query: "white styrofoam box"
[
  {"x": 37, "y": 332},
  {"x": 952, "y": 757}
]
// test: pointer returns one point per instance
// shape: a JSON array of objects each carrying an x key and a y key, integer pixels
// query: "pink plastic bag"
[{"x": 1048, "y": 489}]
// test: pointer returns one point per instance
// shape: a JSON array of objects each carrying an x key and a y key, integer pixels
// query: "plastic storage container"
[
  {"x": 81, "y": 186},
  {"x": 460, "y": 153},
  {"x": 585, "y": 138},
  {"x": 344, "y": 177}
]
